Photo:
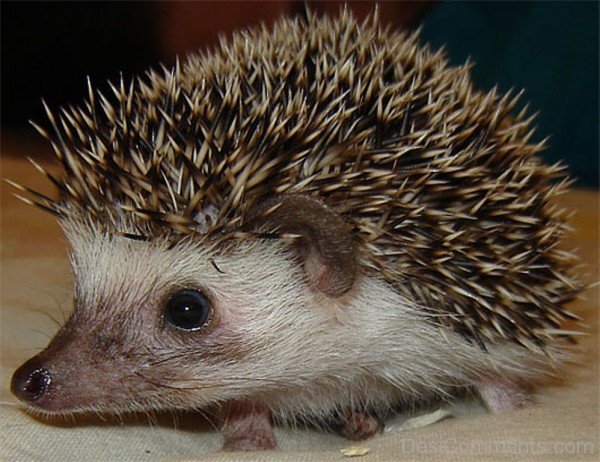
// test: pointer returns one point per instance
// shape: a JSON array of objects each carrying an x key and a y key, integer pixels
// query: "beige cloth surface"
[{"x": 36, "y": 283}]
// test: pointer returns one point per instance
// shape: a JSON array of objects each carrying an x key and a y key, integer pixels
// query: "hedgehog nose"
[{"x": 30, "y": 381}]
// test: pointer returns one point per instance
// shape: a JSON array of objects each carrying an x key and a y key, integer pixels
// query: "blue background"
[{"x": 548, "y": 48}]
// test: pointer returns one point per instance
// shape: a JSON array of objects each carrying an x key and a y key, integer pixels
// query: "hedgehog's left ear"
[{"x": 326, "y": 240}]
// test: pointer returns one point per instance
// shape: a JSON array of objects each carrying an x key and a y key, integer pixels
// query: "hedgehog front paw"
[
  {"x": 247, "y": 427},
  {"x": 359, "y": 425},
  {"x": 502, "y": 394}
]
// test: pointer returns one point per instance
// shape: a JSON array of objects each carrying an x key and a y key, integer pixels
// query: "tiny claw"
[{"x": 359, "y": 426}]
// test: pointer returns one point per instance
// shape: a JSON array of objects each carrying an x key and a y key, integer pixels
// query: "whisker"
[
  {"x": 39, "y": 331},
  {"x": 208, "y": 419},
  {"x": 60, "y": 307},
  {"x": 8, "y": 403},
  {"x": 46, "y": 314},
  {"x": 175, "y": 418}
]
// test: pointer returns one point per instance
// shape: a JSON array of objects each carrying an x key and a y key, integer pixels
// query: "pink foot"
[
  {"x": 247, "y": 427},
  {"x": 359, "y": 426},
  {"x": 501, "y": 394}
]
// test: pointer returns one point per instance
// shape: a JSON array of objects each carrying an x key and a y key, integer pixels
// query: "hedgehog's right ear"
[{"x": 326, "y": 240}]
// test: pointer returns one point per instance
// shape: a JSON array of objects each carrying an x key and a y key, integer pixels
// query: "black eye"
[{"x": 188, "y": 309}]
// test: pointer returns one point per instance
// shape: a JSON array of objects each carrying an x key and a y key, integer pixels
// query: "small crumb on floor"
[{"x": 355, "y": 451}]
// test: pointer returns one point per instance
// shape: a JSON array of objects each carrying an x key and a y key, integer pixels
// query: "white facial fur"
[{"x": 272, "y": 339}]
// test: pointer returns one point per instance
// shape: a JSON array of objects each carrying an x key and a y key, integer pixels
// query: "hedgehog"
[{"x": 319, "y": 222}]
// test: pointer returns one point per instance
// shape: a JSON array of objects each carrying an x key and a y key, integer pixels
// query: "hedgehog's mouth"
[{"x": 52, "y": 384}]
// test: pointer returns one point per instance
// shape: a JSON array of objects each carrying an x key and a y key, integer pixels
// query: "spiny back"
[{"x": 441, "y": 184}]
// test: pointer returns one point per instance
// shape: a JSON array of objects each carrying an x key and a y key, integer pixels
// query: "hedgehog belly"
[{"x": 385, "y": 353}]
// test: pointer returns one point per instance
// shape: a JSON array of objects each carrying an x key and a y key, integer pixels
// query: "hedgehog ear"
[{"x": 326, "y": 240}]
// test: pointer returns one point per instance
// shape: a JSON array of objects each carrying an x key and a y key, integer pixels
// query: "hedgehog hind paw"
[
  {"x": 248, "y": 427},
  {"x": 358, "y": 426},
  {"x": 501, "y": 395}
]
